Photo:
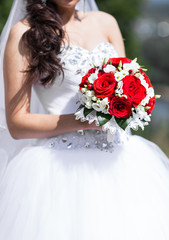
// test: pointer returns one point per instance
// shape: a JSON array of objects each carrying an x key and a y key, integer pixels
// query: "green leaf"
[
  {"x": 122, "y": 122},
  {"x": 87, "y": 111},
  {"x": 157, "y": 96},
  {"x": 120, "y": 64},
  {"x": 80, "y": 107},
  {"x": 103, "y": 118},
  {"x": 147, "y": 108},
  {"x": 104, "y": 61}
]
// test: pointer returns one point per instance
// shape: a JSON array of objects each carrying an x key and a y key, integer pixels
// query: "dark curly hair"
[{"x": 43, "y": 39}]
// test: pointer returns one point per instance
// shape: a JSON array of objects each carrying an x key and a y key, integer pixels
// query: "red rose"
[
  {"x": 104, "y": 66},
  {"x": 92, "y": 70},
  {"x": 104, "y": 85},
  {"x": 133, "y": 89},
  {"x": 151, "y": 104},
  {"x": 120, "y": 107},
  {"x": 84, "y": 80},
  {"x": 115, "y": 61},
  {"x": 100, "y": 73},
  {"x": 146, "y": 78}
]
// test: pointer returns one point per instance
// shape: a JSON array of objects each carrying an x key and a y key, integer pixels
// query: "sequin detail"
[
  {"x": 62, "y": 96},
  {"x": 83, "y": 59},
  {"x": 82, "y": 139}
]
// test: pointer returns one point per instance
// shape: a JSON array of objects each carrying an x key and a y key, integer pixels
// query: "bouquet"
[{"x": 116, "y": 93}]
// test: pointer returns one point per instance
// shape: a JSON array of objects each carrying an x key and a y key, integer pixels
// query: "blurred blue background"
[{"x": 145, "y": 28}]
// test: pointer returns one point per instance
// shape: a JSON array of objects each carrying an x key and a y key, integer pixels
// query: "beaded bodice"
[{"x": 62, "y": 97}]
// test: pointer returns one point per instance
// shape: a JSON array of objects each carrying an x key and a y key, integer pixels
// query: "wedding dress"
[{"x": 77, "y": 186}]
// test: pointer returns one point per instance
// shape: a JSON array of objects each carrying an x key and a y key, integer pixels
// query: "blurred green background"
[{"x": 145, "y": 29}]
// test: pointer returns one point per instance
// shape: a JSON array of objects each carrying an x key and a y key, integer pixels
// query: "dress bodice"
[{"x": 62, "y": 96}]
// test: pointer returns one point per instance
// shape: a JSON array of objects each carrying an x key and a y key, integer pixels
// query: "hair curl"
[{"x": 43, "y": 39}]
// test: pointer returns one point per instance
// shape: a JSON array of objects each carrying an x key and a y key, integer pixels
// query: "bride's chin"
[{"x": 65, "y": 3}]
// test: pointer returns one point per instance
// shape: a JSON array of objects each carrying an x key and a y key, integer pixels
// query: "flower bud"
[
  {"x": 90, "y": 86},
  {"x": 94, "y": 98}
]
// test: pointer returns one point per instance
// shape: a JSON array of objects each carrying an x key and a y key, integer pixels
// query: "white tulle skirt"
[{"x": 71, "y": 189}]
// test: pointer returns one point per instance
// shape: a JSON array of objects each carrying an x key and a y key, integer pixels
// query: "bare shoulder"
[
  {"x": 14, "y": 43},
  {"x": 108, "y": 25},
  {"x": 103, "y": 18},
  {"x": 16, "y": 48},
  {"x": 18, "y": 30}
]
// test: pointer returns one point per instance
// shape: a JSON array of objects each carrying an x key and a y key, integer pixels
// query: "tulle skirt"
[{"x": 69, "y": 189}]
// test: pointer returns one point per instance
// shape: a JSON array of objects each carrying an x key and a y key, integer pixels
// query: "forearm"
[{"x": 42, "y": 125}]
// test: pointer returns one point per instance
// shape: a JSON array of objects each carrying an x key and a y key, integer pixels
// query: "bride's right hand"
[{"x": 94, "y": 126}]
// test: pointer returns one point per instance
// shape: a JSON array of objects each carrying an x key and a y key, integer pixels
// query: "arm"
[
  {"x": 115, "y": 37},
  {"x": 22, "y": 123},
  {"x": 112, "y": 32}
]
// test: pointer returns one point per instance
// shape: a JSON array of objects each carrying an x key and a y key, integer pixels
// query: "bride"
[{"x": 67, "y": 182}]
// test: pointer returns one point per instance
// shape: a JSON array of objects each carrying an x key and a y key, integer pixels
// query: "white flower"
[
  {"x": 144, "y": 83},
  {"x": 145, "y": 100},
  {"x": 142, "y": 79},
  {"x": 119, "y": 89},
  {"x": 98, "y": 107},
  {"x": 109, "y": 68},
  {"x": 137, "y": 122},
  {"x": 83, "y": 90},
  {"x": 94, "y": 98},
  {"x": 139, "y": 108},
  {"x": 150, "y": 92},
  {"x": 142, "y": 114},
  {"x": 120, "y": 75},
  {"x": 105, "y": 101},
  {"x": 83, "y": 98},
  {"x": 138, "y": 75},
  {"x": 88, "y": 104},
  {"x": 131, "y": 66},
  {"x": 93, "y": 77},
  {"x": 90, "y": 93},
  {"x": 101, "y": 105}
]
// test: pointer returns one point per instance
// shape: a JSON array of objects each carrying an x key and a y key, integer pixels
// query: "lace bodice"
[{"x": 62, "y": 97}]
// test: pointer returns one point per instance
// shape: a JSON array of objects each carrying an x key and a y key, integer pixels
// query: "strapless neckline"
[
  {"x": 62, "y": 97},
  {"x": 75, "y": 46}
]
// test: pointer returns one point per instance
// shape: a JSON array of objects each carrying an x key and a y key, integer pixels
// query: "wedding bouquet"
[{"x": 116, "y": 93}]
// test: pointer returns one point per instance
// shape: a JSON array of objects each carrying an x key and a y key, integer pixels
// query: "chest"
[{"x": 84, "y": 35}]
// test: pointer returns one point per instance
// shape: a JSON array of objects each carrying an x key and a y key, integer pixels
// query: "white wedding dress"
[{"x": 77, "y": 186}]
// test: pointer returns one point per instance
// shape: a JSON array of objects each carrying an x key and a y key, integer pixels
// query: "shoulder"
[
  {"x": 108, "y": 25},
  {"x": 103, "y": 18},
  {"x": 16, "y": 34},
  {"x": 18, "y": 30},
  {"x": 14, "y": 44}
]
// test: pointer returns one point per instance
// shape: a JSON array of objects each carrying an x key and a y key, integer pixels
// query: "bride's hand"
[{"x": 93, "y": 126}]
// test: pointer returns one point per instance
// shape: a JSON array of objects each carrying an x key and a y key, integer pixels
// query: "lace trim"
[{"x": 115, "y": 134}]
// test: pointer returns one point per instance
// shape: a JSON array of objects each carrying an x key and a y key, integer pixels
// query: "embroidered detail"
[{"x": 81, "y": 139}]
